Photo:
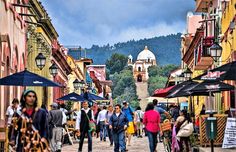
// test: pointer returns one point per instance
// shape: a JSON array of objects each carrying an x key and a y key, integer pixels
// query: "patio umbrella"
[
  {"x": 91, "y": 97},
  {"x": 224, "y": 72},
  {"x": 163, "y": 92},
  {"x": 184, "y": 91},
  {"x": 72, "y": 97},
  {"x": 211, "y": 87},
  {"x": 26, "y": 78},
  {"x": 180, "y": 86}
]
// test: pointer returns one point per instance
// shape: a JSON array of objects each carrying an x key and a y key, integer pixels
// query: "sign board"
[
  {"x": 211, "y": 127},
  {"x": 230, "y": 134}
]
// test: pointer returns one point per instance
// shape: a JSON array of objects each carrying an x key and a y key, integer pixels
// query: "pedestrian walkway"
[
  {"x": 216, "y": 149},
  {"x": 137, "y": 145},
  {"x": 142, "y": 92}
]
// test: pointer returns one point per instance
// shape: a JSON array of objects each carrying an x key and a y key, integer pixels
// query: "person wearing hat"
[
  {"x": 56, "y": 118},
  {"x": 31, "y": 120},
  {"x": 127, "y": 110}
]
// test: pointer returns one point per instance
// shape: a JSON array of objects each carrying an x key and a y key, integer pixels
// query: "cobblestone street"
[{"x": 137, "y": 145}]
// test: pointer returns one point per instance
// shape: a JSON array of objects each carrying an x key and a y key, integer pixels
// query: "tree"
[
  {"x": 156, "y": 82},
  {"x": 124, "y": 87},
  {"x": 158, "y": 76},
  {"x": 116, "y": 63}
]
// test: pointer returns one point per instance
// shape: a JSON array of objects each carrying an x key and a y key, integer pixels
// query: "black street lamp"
[
  {"x": 78, "y": 84},
  {"x": 53, "y": 69},
  {"x": 215, "y": 51},
  {"x": 40, "y": 61},
  {"x": 181, "y": 77},
  {"x": 188, "y": 73}
]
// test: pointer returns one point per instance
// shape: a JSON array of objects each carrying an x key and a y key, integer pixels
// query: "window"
[{"x": 139, "y": 69}]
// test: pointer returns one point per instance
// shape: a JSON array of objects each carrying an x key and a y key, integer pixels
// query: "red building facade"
[{"x": 12, "y": 48}]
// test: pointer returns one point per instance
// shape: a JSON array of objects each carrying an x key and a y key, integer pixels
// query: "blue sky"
[{"x": 87, "y": 22}]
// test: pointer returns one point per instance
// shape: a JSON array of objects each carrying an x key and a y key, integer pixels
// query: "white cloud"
[{"x": 87, "y": 22}]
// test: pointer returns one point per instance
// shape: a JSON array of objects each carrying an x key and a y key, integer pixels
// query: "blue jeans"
[
  {"x": 82, "y": 136},
  {"x": 119, "y": 140},
  {"x": 103, "y": 130},
  {"x": 152, "y": 138},
  {"x": 109, "y": 131}
]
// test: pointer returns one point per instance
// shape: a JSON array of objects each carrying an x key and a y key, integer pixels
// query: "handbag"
[
  {"x": 92, "y": 125},
  {"x": 186, "y": 130}
]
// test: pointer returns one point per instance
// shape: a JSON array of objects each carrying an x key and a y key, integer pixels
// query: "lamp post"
[
  {"x": 215, "y": 51},
  {"x": 181, "y": 77},
  {"x": 40, "y": 61},
  {"x": 78, "y": 84},
  {"x": 188, "y": 73},
  {"x": 53, "y": 69}
]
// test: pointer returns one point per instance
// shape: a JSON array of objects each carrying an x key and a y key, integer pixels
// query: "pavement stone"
[
  {"x": 137, "y": 145},
  {"x": 216, "y": 149}
]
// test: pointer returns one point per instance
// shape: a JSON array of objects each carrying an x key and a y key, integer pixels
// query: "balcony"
[
  {"x": 202, "y": 5},
  {"x": 203, "y": 61}
]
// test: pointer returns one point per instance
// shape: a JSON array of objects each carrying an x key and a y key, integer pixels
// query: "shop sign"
[{"x": 230, "y": 134}]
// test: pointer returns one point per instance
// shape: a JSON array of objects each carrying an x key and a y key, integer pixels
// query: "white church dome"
[{"x": 146, "y": 54}]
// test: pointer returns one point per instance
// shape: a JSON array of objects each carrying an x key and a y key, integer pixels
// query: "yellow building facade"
[
  {"x": 76, "y": 73},
  {"x": 40, "y": 34},
  {"x": 228, "y": 43}
]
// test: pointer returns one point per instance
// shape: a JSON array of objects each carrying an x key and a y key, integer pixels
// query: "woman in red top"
[{"x": 151, "y": 120}]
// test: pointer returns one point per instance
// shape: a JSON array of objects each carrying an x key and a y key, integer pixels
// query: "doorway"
[{"x": 139, "y": 78}]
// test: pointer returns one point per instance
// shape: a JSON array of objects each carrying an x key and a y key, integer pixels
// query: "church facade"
[{"x": 144, "y": 60}]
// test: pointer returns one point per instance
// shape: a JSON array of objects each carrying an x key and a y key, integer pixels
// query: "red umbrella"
[{"x": 163, "y": 92}]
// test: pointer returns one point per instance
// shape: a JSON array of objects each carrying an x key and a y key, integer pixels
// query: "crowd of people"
[{"x": 33, "y": 128}]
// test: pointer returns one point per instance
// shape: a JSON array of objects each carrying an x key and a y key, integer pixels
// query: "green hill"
[{"x": 165, "y": 48}]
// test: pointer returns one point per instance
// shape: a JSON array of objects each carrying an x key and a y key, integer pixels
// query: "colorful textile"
[{"x": 175, "y": 145}]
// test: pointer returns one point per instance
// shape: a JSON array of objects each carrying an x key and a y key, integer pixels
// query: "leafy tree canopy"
[{"x": 116, "y": 63}]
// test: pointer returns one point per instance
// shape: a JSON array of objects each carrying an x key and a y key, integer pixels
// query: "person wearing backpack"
[
  {"x": 130, "y": 115},
  {"x": 139, "y": 121}
]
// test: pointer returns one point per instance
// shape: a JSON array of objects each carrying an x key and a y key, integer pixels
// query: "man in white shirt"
[
  {"x": 101, "y": 120},
  {"x": 82, "y": 125},
  {"x": 12, "y": 111}
]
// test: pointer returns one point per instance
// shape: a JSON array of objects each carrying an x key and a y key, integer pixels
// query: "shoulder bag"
[{"x": 92, "y": 125}]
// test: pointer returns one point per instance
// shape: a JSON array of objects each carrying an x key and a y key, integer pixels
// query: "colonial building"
[
  {"x": 98, "y": 75},
  {"x": 12, "y": 48},
  {"x": 144, "y": 60},
  {"x": 42, "y": 39}
]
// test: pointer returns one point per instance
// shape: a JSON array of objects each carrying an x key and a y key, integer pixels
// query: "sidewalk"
[
  {"x": 137, "y": 145},
  {"x": 216, "y": 149}
]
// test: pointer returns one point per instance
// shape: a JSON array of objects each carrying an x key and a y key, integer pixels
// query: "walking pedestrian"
[
  {"x": 139, "y": 121},
  {"x": 12, "y": 111},
  {"x": 101, "y": 122},
  {"x": 109, "y": 130},
  {"x": 163, "y": 114},
  {"x": 118, "y": 123},
  {"x": 32, "y": 122},
  {"x": 127, "y": 110},
  {"x": 56, "y": 118},
  {"x": 82, "y": 125},
  {"x": 97, "y": 126},
  {"x": 151, "y": 120},
  {"x": 183, "y": 120}
]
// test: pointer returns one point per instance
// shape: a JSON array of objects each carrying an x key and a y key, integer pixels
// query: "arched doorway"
[
  {"x": 139, "y": 78},
  {"x": 139, "y": 69}
]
